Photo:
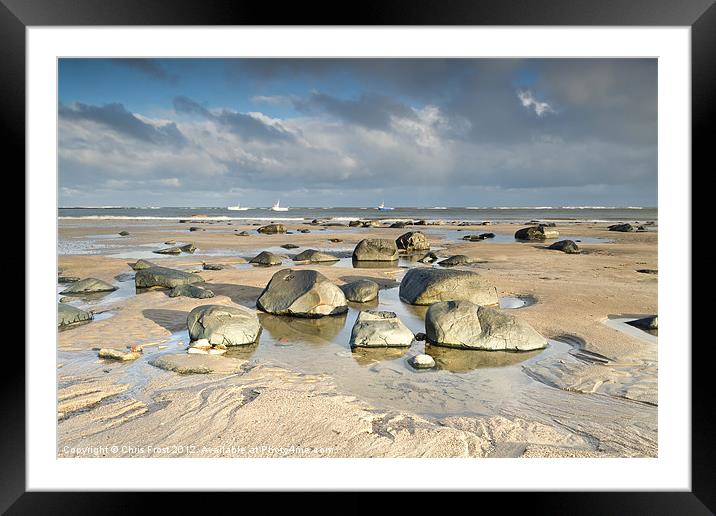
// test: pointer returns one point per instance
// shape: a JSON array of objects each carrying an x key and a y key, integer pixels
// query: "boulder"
[
  {"x": 422, "y": 361},
  {"x": 88, "y": 286},
  {"x": 624, "y": 228},
  {"x": 164, "y": 277},
  {"x": 191, "y": 291},
  {"x": 646, "y": 323},
  {"x": 361, "y": 291},
  {"x": 114, "y": 354},
  {"x": 375, "y": 250},
  {"x": 272, "y": 229},
  {"x": 429, "y": 258},
  {"x": 371, "y": 224},
  {"x": 185, "y": 363},
  {"x": 266, "y": 258},
  {"x": 301, "y": 293},
  {"x": 187, "y": 248},
  {"x": 168, "y": 250},
  {"x": 314, "y": 256},
  {"x": 462, "y": 324},
  {"x": 566, "y": 246},
  {"x": 142, "y": 264},
  {"x": 425, "y": 286},
  {"x": 215, "y": 266},
  {"x": 124, "y": 233},
  {"x": 223, "y": 325},
  {"x": 68, "y": 314},
  {"x": 486, "y": 235},
  {"x": 452, "y": 261},
  {"x": 374, "y": 329},
  {"x": 412, "y": 241},
  {"x": 540, "y": 232}
]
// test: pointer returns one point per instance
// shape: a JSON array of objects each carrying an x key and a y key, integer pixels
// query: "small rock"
[
  {"x": 124, "y": 233},
  {"x": 290, "y": 246},
  {"x": 271, "y": 229},
  {"x": 113, "y": 354},
  {"x": 420, "y": 337},
  {"x": 566, "y": 246},
  {"x": 214, "y": 266},
  {"x": 623, "y": 228},
  {"x": 422, "y": 361},
  {"x": 458, "y": 259}
]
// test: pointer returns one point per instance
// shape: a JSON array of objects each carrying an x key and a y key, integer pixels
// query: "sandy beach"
[{"x": 301, "y": 391}]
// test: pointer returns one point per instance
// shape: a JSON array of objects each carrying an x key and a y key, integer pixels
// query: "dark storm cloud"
[
  {"x": 243, "y": 125},
  {"x": 117, "y": 118},
  {"x": 149, "y": 67},
  {"x": 369, "y": 110}
]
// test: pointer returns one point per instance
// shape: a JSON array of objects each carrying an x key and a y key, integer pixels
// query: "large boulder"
[
  {"x": 623, "y": 228},
  {"x": 266, "y": 258},
  {"x": 301, "y": 293},
  {"x": 88, "y": 286},
  {"x": 314, "y": 256},
  {"x": 191, "y": 291},
  {"x": 142, "y": 264},
  {"x": 425, "y": 286},
  {"x": 272, "y": 229},
  {"x": 223, "y": 325},
  {"x": 374, "y": 329},
  {"x": 375, "y": 250},
  {"x": 566, "y": 246},
  {"x": 540, "y": 232},
  {"x": 361, "y": 291},
  {"x": 412, "y": 241},
  {"x": 462, "y": 324},
  {"x": 68, "y": 314},
  {"x": 164, "y": 277}
]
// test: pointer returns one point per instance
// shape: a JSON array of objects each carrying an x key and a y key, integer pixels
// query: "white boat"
[
  {"x": 236, "y": 208},
  {"x": 277, "y": 207},
  {"x": 382, "y": 207}
]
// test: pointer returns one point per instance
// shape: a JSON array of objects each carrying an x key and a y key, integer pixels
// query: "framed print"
[{"x": 416, "y": 250}]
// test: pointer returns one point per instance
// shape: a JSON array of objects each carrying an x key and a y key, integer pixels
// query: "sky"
[{"x": 356, "y": 132}]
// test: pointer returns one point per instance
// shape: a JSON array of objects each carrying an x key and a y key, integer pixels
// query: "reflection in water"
[
  {"x": 242, "y": 352},
  {"x": 370, "y": 356},
  {"x": 513, "y": 302},
  {"x": 464, "y": 360},
  {"x": 357, "y": 264},
  {"x": 290, "y": 330}
]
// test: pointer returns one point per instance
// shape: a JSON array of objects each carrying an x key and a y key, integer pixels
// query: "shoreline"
[{"x": 574, "y": 294}]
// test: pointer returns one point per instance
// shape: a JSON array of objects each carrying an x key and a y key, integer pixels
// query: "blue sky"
[{"x": 353, "y": 132}]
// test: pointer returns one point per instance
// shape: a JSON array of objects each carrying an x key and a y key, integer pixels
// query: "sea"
[{"x": 343, "y": 214}]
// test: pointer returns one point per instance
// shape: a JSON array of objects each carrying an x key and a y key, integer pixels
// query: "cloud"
[
  {"x": 150, "y": 67},
  {"x": 369, "y": 110},
  {"x": 486, "y": 132},
  {"x": 116, "y": 118},
  {"x": 540, "y": 108},
  {"x": 250, "y": 126}
]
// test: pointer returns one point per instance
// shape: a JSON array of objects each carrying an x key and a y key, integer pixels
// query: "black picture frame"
[{"x": 700, "y": 15}]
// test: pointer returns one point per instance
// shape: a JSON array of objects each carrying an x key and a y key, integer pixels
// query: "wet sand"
[{"x": 302, "y": 392}]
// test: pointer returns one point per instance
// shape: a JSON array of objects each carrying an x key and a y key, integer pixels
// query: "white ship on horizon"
[
  {"x": 278, "y": 207},
  {"x": 383, "y": 207}
]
